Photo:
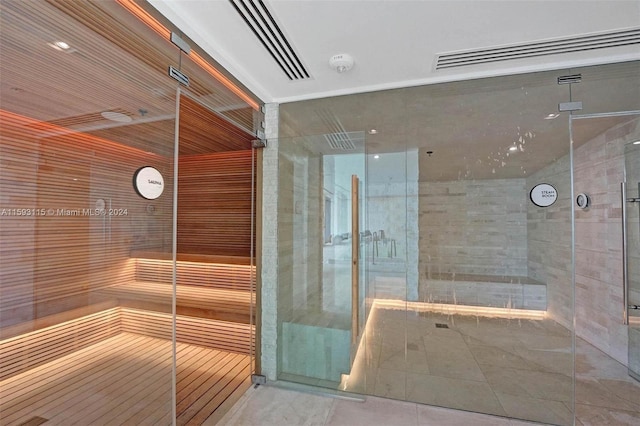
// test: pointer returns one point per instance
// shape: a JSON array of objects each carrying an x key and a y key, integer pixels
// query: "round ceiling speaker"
[{"x": 342, "y": 62}]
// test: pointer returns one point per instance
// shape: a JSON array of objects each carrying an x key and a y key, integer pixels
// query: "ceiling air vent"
[
  {"x": 340, "y": 141},
  {"x": 256, "y": 15},
  {"x": 541, "y": 48},
  {"x": 568, "y": 79}
]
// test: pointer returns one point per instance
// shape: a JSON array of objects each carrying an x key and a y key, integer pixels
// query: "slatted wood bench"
[
  {"x": 28, "y": 350},
  {"x": 213, "y": 306},
  {"x": 205, "y": 286},
  {"x": 228, "y": 305}
]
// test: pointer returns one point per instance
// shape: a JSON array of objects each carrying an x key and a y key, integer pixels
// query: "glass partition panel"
[
  {"x": 469, "y": 296},
  {"x": 321, "y": 240},
  {"x": 606, "y": 165},
  {"x": 87, "y": 152},
  {"x": 215, "y": 272},
  {"x": 632, "y": 227},
  {"x": 391, "y": 199}
]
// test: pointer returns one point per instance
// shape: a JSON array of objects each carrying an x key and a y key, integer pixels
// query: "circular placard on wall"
[
  {"x": 543, "y": 195},
  {"x": 148, "y": 182}
]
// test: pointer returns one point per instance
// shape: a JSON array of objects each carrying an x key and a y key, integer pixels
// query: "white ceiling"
[{"x": 395, "y": 43}]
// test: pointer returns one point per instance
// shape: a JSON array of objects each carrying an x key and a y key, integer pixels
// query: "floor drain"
[
  {"x": 34, "y": 421},
  {"x": 439, "y": 325}
]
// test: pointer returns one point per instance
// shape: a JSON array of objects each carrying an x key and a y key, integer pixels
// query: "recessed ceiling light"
[
  {"x": 116, "y": 116},
  {"x": 373, "y": 131},
  {"x": 551, "y": 116},
  {"x": 513, "y": 148},
  {"x": 376, "y": 156},
  {"x": 636, "y": 143}
]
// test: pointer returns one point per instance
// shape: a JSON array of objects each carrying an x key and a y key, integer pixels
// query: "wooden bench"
[
  {"x": 28, "y": 350},
  {"x": 205, "y": 287},
  {"x": 213, "y": 307},
  {"x": 213, "y": 303},
  {"x": 31, "y": 349}
]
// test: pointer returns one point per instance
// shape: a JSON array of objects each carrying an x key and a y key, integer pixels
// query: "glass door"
[
  {"x": 321, "y": 236},
  {"x": 606, "y": 164},
  {"x": 631, "y": 208},
  {"x": 214, "y": 268}
]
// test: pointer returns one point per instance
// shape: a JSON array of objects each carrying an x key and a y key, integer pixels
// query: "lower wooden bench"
[{"x": 29, "y": 350}]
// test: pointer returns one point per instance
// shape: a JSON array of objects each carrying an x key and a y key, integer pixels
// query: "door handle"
[
  {"x": 355, "y": 254},
  {"x": 625, "y": 264}
]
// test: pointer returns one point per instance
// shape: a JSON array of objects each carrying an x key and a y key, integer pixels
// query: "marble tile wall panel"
[
  {"x": 549, "y": 241},
  {"x": 473, "y": 227}
]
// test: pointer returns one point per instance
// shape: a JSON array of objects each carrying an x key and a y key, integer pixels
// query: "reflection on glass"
[
  {"x": 315, "y": 272},
  {"x": 93, "y": 328}
]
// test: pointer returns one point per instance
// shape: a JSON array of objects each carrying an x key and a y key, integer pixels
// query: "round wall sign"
[
  {"x": 543, "y": 195},
  {"x": 148, "y": 182}
]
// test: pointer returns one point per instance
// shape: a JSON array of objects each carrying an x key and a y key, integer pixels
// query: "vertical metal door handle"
[{"x": 625, "y": 265}]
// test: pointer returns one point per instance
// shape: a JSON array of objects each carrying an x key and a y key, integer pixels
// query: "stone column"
[{"x": 269, "y": 272}]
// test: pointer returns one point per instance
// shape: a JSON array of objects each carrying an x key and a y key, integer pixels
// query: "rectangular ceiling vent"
[
  {"x": 569, "y": 79},
  {"x": 256, "y": 15},
  {"x": 542, "y": 48},
  {"x": 340, "y": 141}
]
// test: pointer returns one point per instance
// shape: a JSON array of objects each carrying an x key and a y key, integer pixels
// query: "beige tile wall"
[
  {"x": 549, "y": 241},
  {"x": 599, "y": 168},
  {"x": 473, "y": 227}
]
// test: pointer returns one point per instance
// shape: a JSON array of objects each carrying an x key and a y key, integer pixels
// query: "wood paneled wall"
[
  {"x": 57, "y": 254},
  {"x": 214, "y": 203},
  {"x": 53, "y": 252}
]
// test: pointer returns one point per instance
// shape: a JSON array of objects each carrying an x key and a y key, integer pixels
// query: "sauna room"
[{"x": 127, "y": 202}]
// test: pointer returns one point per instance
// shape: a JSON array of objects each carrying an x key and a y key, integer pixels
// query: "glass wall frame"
[
  {"x": 452, "y": 291},
  {"x": 500, "y": 163},
  {"x": 322, "y": 256}
]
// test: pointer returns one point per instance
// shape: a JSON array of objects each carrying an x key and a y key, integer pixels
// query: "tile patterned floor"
[
  {"x": 511, "y": 368},
  {"x": 274, "y": 406},
  {"x": 504, "y": 367}
]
